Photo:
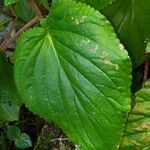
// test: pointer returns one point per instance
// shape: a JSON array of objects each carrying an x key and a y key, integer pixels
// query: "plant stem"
[
  {"x": 146, "y": 70},
  {"x": 39, "y": 16},
  {"x": 6, "y": 43},
  {"x": 35, "y": 8}
]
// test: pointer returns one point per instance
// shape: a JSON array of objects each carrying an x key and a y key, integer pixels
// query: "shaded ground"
[{"x": 44, "y": 136}]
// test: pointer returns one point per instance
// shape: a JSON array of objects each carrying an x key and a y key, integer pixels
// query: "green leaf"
[
  {"x": 98, "y": 4},
  {"x": 73, "y": 71},
  {"x": 13, "y": 133},
  {"x": 24, "y": 11},
  {"x": 3, "y": 20},
  {"x": 1, "y": 25},
  {"x": 8, "y": 92},
  {"x": 8, "y": 111},
  {"x": 148, "y": 48},
  {"x": 10, "y": 2},
  {"x": 44, "y": 3},
  {"x": 9, "y": 98},
  {"x": 137, "y": 133},
  {"x": 1, "y": 4},
  {"x": 132, "y": 22},
  {"x": 23, "y": 141}
]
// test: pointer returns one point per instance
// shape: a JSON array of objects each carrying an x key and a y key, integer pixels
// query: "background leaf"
[
  {"x": 9, "y": 98},
  {"x": 98, "y": 4},
  {"x": 77, "y": 75},
  {"x": 132, "y": 22},
  {"x": 137, "y": 134},
  {"x": 148, "y": 47},
  {"x": 23, "y": 141},
  {"x": 24, "y": 11},
  {"x": 44, "y": 3},
  {"x": 13, "y": 133},
  {"x": 10, "y": 2},
  {"x": 8, "y": 111},
  {"x": 3, "y": 20}
]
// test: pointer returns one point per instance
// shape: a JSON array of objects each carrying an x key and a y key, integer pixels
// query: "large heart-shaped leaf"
[
  {"x": 98, "y": 4},
  {"x": 132, "y": 21},
  {"x": 137, "y": 134},
  {"x": 74, "y": 72}
]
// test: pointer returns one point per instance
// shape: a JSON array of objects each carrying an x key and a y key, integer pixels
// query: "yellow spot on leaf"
[
  {"x": 107, "y": 62},
  {"x": 77, "y": 21},
  {"x": 121, "y": 46},
  {"x": 94, "y": 50}
]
